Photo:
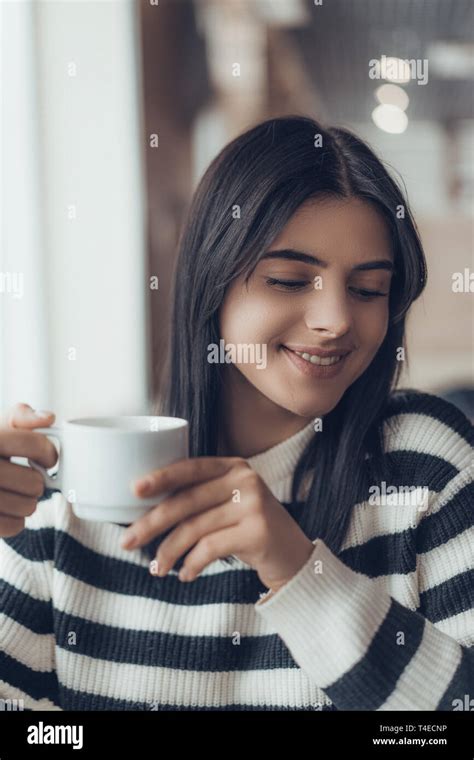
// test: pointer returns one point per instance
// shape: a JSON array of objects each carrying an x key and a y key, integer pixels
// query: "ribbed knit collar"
[{"x": 279, "y": 461}]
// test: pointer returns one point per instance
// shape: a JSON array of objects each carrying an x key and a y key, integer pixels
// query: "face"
[{"x": 318, "y": 301}]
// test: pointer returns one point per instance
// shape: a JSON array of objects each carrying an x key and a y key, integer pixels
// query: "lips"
[
  {"x": 314, "y": 365},
  {"x": 322, "y": 361},
  {"x": 323, "y": 353}
]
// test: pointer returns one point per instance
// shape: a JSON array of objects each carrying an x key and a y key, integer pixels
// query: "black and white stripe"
[{"x": 85, "y": 626}]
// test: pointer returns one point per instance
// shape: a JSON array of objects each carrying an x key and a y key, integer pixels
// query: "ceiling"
[{"x": 342, "y": 36}]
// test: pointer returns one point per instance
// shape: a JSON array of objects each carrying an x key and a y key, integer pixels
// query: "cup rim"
[{"x": 90, "y": 423}]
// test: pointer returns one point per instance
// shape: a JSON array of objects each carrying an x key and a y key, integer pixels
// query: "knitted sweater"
[{"x": 387, "y": 624}]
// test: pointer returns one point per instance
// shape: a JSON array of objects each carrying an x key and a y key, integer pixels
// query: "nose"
[{"x": 328, "y": 312}]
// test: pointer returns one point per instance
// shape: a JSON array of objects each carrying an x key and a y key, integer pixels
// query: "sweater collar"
[{"x": 279, "y": 462}]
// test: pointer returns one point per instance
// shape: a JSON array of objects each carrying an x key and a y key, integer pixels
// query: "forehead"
[{"x": 351, "y": 227}]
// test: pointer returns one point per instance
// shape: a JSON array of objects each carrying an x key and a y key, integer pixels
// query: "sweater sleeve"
[
  {"x": 365, "y": 649},
  {"x": 27, "y": 654}
]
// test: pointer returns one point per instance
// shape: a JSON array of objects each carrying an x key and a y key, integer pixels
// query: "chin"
[
  {"x": 328, "y": 402},
  {"x": 312, "y": 409}
]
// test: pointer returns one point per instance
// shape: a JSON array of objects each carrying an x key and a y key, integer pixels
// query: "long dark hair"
[{"x": 269, "y": 171}]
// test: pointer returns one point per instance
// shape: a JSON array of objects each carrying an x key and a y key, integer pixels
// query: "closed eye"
[
  {"x": 297, "y": 284},
  {"x": 290, "y": 284},
  {"x": 367, "y": 294}
]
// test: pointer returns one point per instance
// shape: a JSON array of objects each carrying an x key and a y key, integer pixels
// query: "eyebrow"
[{"x": 306, "y": 258}]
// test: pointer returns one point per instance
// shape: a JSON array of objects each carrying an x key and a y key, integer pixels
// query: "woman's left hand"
[{"x": 222, "y": 507}]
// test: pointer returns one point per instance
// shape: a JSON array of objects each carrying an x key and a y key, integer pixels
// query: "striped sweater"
[{"x": 387, "y": 624}]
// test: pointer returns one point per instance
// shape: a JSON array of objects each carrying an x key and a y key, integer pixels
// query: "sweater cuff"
[{"x": 326, "y": 615}]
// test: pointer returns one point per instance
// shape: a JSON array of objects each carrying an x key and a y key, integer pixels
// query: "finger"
[
  {"x": 24, "y": 416},
  {"x": 15, "y": 505},
  {"x": 175, "y": 508},
  {"x": 32, "y": 445},
  {"x": 183, "y": 473},
  {"x": 10, "y": 526},
  {"x": 211, "y": 547},
  {"x": 22, "y": 480},
  {"x": 189, "y": 532}
]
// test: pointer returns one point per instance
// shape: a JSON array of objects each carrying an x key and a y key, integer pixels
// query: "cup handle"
[{"x": 51, "y": 481}]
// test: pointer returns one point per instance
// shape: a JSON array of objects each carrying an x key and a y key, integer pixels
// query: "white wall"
[{"x": 72, "y": 144}]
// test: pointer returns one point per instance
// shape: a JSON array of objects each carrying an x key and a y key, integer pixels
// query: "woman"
[{"x": 317, "y": 551}]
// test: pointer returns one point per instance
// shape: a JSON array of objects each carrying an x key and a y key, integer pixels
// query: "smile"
[
  {"x": 315, "y": 366},
  {"x": 323, "y": 362}
]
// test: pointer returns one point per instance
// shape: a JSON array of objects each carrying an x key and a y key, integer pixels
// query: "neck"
[{"x": 251, "y": 422}]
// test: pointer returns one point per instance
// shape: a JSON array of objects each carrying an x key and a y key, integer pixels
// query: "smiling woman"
[
  {"x": 329, "y": 333},
  {"x": 328, "y": 212},
  {"x": 331, "y": 601}
]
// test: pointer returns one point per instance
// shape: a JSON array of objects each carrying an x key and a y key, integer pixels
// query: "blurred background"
[{"x": 112, "y": 110}]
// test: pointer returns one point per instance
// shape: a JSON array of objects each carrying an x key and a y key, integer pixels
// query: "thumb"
[{"x": 25, "y": 417}]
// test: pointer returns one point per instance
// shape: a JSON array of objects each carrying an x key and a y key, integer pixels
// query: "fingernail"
[
  {"x": 129, "y": 540},
  {"x": 41, "y": 413},
  {"x": 144, "y": 485}
]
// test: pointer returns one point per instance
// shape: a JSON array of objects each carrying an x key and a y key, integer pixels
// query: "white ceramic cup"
[{"x": 101, "y": 457}]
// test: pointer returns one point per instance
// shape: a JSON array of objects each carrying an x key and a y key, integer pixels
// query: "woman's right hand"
[{"x": 21, "y": 486}]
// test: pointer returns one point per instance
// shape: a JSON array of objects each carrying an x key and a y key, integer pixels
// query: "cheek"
[
  {"x": 246, "y": 317},
  {"x": 372, "y": 325}
]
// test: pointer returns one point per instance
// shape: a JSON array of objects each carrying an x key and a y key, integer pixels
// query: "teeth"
[{"x": 323, "y": 362}]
